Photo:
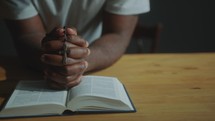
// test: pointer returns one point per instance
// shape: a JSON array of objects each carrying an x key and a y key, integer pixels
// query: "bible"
[{"x": 95, "y": 94}]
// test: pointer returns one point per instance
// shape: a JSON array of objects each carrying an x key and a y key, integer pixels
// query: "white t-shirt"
[{"x": 85, "y": 15}]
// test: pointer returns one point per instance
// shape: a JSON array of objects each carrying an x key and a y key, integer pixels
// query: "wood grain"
[{"x": 163, "y": 87}]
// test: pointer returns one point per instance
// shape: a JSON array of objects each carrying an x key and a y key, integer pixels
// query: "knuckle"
[
  {"x": 86, "y": 51},
  {"x": 67, "y": 70},
  {"x": 67, "y": 79},
  {"x": 71, "y": 38},
  {"x": 79, "y": 67},
  {"x": 76, "y": 82}
]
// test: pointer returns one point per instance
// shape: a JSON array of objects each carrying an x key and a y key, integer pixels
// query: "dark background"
[{"x": 188, "y": 26}]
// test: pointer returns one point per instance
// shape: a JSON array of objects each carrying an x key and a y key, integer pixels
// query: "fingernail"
[
  {"x": 88, "y": 51},
  {"x": 84, "y": 65},
  {"x": 87, "y": 43}
]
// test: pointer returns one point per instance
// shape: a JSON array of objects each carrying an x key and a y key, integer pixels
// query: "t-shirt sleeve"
[
  {"x": 127, "y": 7},
  {"x": 17, "y": 9}
]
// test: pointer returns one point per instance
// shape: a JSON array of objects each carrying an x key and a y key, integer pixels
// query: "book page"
[
  {"x": 35, "y": 93},
  {"x": 98, "y": 93},
  {"x": 95, "y": 86}
]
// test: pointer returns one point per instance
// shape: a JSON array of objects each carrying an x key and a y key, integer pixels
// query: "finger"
[
  {"x": 71, "y": 31},
  {"x": 53, "y": 76},
  {"x": 52, "y": 45},
  {"x": 77, "y": 68},
  {"x": 59, "y": 78},
  {"x": 78, "y": 52},
  {"x": 56, "y": 60},
  {"x": 56, "y": 45},
  {"x": 62, "y": 80},
  {"x": 75, "y": 82},
  {"x": 72, "y": 37},
  {"x": 73, "y": 51},
  {"x": 77, "y": 40},
  {"x": 56, "y": 33}
]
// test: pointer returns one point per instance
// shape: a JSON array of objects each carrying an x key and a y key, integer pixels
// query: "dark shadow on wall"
[{"x": 188, "y": 24}]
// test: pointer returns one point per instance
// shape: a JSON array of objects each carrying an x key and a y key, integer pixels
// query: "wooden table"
[{"x": 163, "y": 87}]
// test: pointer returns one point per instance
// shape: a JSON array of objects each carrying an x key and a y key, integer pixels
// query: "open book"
[{"x": 94, "y": 94}]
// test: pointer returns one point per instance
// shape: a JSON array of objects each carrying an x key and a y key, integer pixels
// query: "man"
[{"x": 63, "y": 53}]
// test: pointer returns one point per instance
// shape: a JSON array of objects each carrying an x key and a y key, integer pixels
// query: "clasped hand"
[{"x": 61, "y": 75}]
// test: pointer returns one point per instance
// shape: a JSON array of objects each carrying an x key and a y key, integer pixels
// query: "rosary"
[{"x": 65, "y": 49}]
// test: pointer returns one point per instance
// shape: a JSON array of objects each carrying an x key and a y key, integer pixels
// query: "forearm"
[
  {"x": 117, "y": 32},
  {"x": 106, "y": 51},
  {"x": 27, "y": 35}
]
